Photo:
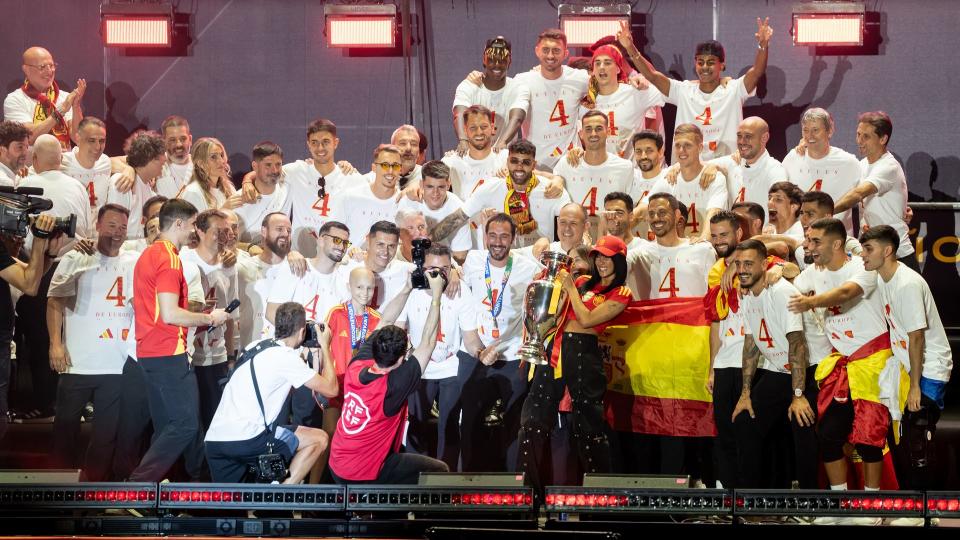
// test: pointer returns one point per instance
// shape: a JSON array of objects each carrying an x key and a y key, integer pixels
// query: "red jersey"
[
  {"x": 591, "y": 299},
  {"x": 158, "y": 270},
  {"x": 341, "y": 341}
]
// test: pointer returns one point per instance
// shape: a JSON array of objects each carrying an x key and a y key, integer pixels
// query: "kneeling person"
[{"x": 245, "y": 424}]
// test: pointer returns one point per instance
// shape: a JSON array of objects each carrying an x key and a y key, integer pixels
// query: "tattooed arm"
[
  {"x": 798, "y": 356},
  {"x": 751, "y": 357},
  {"x": 448, "y": 225}
]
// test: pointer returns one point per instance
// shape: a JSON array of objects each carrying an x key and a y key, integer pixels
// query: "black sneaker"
[
  {"x": 35, "y": 416},
  {"x": 87, "y": 414}
]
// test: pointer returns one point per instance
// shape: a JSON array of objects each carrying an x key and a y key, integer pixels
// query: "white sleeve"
[
  {"x": 461, "y": 240},
  {"x": 882, "y": 178},
  {"x": 913, "y": 315},
  {"x": 466, "y": 314},
  {"x": 660, "y": 186},
  {"x": 466, "y": 94},
  {"x": 15, "y": 111},
  {"x": 292, "y": 369},
  {"x": 866, "y": 279},
  {"x": 521, "y": 97},
  {"x": 283, "y": 286},
  {"x": 195, "y": 292},
  {"x": 194, "y": 198},
  {"x": 804, "y": 281},
  {"x": 742, "y": 89},
  {"x": 717, "y": 192},
  {"x": 64, "y": 281},
  {"x": 676, "y": 92},
  {"x": 649, "y": 98},
  {"x": 789, "y": 321},
  {"x": 479, "y": 199}
]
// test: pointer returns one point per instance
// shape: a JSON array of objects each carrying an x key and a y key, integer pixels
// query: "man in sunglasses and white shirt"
[{"x": 359, "y": 208}]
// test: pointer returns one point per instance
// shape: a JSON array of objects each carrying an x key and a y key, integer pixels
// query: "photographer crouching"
[
  {"x": 25, "y": 277},
  {"x": 244, "y": 441}
]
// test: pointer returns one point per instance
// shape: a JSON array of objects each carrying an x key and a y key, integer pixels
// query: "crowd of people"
[{"x": 827, "y": 337}]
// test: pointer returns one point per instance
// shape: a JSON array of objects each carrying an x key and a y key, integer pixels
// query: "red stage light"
[
  {"x": 125, "y": 31},
  {"x": 360, "y": 26},
  {"x": 828, "y": 23},
  {"x": 585, "y": 24}
]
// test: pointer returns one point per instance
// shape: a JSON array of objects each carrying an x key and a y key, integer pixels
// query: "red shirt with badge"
[
  {"x": 342, "y": 334},
  {"x": 591, "y": 299}
]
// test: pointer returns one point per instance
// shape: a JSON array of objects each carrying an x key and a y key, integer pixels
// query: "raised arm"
[
  {"x": 428, "y": 341},
  {"x": 448, "y": 225},
  {"x": 659, "y": 80},
  {"x": 752, "y": 77}
]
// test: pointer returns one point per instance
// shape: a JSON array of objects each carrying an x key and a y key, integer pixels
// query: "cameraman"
[
  {"x": 26, "y": 278},
  {"x": 238, "y": 434}
]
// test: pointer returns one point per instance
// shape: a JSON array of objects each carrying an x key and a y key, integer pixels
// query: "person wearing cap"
[
  {"x": 576, "y": 366},
  {"x": 505, "y": 97}
]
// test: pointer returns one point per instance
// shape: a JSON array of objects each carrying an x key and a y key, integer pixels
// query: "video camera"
[
  {"x": 311, "y": 337},
  {"x": 18, "y": 205},
  {"x": 418, "y": 278}
]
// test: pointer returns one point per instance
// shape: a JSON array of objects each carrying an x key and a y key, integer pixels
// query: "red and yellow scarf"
[
  {"x": 47, "y": 106},
  {"x": 517, "y": 205}
]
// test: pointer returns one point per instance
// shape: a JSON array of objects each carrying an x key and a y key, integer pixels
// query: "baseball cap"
[{"x": 609, "y": 246}]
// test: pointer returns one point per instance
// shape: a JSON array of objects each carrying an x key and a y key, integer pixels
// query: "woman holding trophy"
[{"x": 575, "y": 365}]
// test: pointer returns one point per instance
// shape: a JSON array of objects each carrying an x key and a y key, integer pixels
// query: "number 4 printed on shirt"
[
  {"x": 592, "y": 207},
  {"x": 559, "y": 114},
  {"x": 119, "y": 298},
  {"x": 672, "y": 288},
  {"x": 764, "y": 334},
  {"x": 322, "y": 205}
]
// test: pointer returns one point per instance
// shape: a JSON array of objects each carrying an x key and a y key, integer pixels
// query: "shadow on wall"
[{"x": 121, "y": 116}]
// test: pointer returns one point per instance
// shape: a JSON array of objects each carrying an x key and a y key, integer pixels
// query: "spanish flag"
[{"x": 658, "y": 362}]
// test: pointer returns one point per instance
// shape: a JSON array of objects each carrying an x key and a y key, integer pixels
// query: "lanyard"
[
  {"x": 356, "y": 338},
  {"x": 496, "y": 307}
]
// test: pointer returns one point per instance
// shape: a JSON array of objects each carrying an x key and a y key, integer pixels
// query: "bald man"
[
  {"x": 40, "y": 105},
  {"x": 750, "y": 171},
  {"x": 571, "y": 224},
  {"x": 68, "y": 194}
]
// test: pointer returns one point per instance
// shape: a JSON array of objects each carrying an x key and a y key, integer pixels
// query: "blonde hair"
[
  {"x": 200, "y": 153},
  {"x": 689, "y": 129}
]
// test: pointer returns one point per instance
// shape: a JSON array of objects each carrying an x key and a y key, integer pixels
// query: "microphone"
[{"x": 229, "y": 309}]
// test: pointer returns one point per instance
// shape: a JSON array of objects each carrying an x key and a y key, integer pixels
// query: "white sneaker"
[
  {"x": 905, "y": 522},
  {"x": 864, "y": 521},
  {"x": 825, "y": 520}
]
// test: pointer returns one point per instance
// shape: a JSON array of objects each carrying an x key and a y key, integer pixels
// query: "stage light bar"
[
  {"x": 77, "y": 496},
  {"x": 438, "y": 499},
  {"x": 360, "y": 26},
  {"x": 252, "y": 496},
  {"x": 830, "y": 503},
  {"x": 585, "y": 24},
  {"x": 129, "y": 24},
  {"x": 828, "y": 23},
  {"x": 943, "y": 504},
  {"x": 638, "y": 501}
]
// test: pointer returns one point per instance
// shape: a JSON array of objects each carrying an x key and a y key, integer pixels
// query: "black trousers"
[
  {"x": 401, "y": 469},
  {"x": 835, "y": 426},
  {"x": 5, "y": 341},
  {"x": 483, "y": 448},
  {"x": 208, "y": 383},
  {"x": 440, "y": 439},
  {"x": 915, "y": 456},
  {"x": 32, "y": 316},
  {"x": 584, "y": 378},
  {"x": 175, "y": 410},
  {"x": 73, "y": 393},
  {"x": 727, "y": 386},
  {"x": 134, "y": 421},
  {"x": 771, "y": 395}
]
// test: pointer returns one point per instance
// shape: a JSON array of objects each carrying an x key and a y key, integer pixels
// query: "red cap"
[
  {"x": 613, "y": 52},
  {"x": 609, "y": 246}
]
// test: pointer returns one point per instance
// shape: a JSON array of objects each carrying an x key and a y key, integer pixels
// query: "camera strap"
[{"x": 256, "y": 388}]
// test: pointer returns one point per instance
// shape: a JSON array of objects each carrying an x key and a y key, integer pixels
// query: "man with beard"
[
  {"x": 522, "y": 194},
  {"x": 258, "y": 274},
  {"x": 504, "y": 96},
  {"x": 366, "y": 204},
  {"x": 750, "y": 171},
  {"x": 713, "y": 103},
  {"x": 783, "y": 207},
  {"x": 814, "y": 205},
  {"x": 438, "y": 202},
  {"x": 274, "y": 195},
  {"x": 648, "y": 152},
  {"x": 391, "y": 273},
  {"x": 497, "y": 280},
  {"x": 406, "y": 139},
  {"x": 40, "y": 105},
  {"x": 754, "y": 214},
  {"x": 479, "y": 160},
  {"x": 146, "y": 156},
  {"x": 178, "y": 168},
  {"x": 88, "y": 164},
  {"x": 14, "y": 147}
]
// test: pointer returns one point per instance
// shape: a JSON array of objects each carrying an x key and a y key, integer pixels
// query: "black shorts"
[{"x": 228, "y": 460}]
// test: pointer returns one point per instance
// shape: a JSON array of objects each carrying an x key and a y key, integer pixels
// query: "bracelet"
[
  {"x": 435, "y": 303},
  {"x": 762, "y": 48}
]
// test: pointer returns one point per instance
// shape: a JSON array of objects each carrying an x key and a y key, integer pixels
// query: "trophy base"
[{"x": 533, "y": 354}]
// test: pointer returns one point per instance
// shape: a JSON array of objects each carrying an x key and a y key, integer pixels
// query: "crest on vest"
[{"x": 356, "y": 414}]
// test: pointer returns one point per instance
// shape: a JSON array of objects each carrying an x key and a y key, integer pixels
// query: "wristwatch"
[{"x": 798, "y": 392}]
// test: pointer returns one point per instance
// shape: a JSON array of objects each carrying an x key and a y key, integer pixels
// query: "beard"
[{"x": 274, "y": 246}]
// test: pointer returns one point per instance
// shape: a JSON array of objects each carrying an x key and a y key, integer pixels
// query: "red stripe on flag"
[
  {"x": 659, "y": 416},
  {"x": 689, "y": 311}
]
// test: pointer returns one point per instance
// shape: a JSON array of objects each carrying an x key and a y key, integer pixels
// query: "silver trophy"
[{"x": 543, "y": 304}]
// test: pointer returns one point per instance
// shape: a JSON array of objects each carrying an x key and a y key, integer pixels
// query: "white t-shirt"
[
  {"x": 465, "y": 171},
  {"x": 251, "y": 214},
  {"x": 389, "y": 283},
  {"x": 18, "y": 107},
  {"x": 255, "y": 280},
  {"x": 835, "y": 174},
  {"x": 8, "y": 177},
  {"x": 851, "y": 247},
  {"x": 459, "y": 240},
  {"x": 510, "y": 318},
  {"x": 220, "y": 285},
  {"x": 132, "y": 200},
  {"x": 717, "y": 114},
  {"x": 589, "y": 184},
  {"x": 456, "y": 316},
  {"x": 238, "y": 417},
  {"x": 640, "y": 190},
  {"x": 795, "y": 231},
  {"x": 671, "y": 272},
  {"x": 315, "y": 291},
  {"x": 492, "y": 193},
  {"x": 751, "y": 183},
  {"x": 513, "y": 95},
  {"x": 769, "y": 321},
  {"x": 888, "y": 205},
  {"x": 309, "y": 211},
  {"x": 173, "y": 177},
  {"x": 96, "y": 180},
  {"x": 699, "y": 201},
  {"x": 908, "y": 306},
  {"x": 359, "y": 209},
  {"x": 731, "y": 330},
  {"x": 626, "y": 111},
  {"x": 67, "y": 194},
  {"x": 551, "y": 121},
  {"x": 851, "y": 325},
  {"x": 96, "y": 326},
  {"x": 193, "y": 194}
]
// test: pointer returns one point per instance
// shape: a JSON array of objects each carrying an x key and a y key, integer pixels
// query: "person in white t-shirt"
[
  {"x": 66, "y": 193},
  {"x": 146, "y": 154},
  {"x": 920, "y": 344},
  {"x": 815, "y": 165},
  {"x": 522, "y": 194},
  {"x": 210, "y": 187},
  {"x": 40, "y": 105},
  {"x": 713, "y": 103},
  {"x": 670, "y": 267},
  {"x": 440, "y": 382},
  {"x": 750, "y": 171},
  {"x": 555, "y": 94},
  {"x": 506, "y": 98},
  {"x": 591, "y": 176},
  {"x": 383, "y": 242},
  {"x": 88, "y": 164},
  {"x": 178, "y": 169},
  {"x": 438, "y": 203},
  {"x": 257, "y": 275},
  {"x": 783, "y": 209},
  {"x": 14, "y": 149},
  {"x": 479, "y": 160},
  {"x": 214, "y": 345},
  {"x": 648, "y": 158},
  {"x": 882, "y": 190},
  {"x": 702, "y": 202},
  {"x": 359, "y": 208},
  {"x": 274, "y": 194},
  {"x": 238, "y": 433},
  {"x": 859, "y": 407},
  {"x": 778, "y": 373},
  {"x": 618, "y": 218},
  {"x": 89, "y": 313}
]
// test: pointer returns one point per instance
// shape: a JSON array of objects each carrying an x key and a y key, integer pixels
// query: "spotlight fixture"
[
  {"x": 584, "y": 24},
  {"x": 360, "y": 26},
  {"x": 136, "y": 24},
  {"x": 832, "y": 24}
]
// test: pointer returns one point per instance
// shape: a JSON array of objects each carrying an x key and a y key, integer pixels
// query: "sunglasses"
[
  {"x": 524, "y": 162},
  {"x": 387, "y": 167},
  {"x": 337, "y": 241},
  {"x": 322, "y": 185}
]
